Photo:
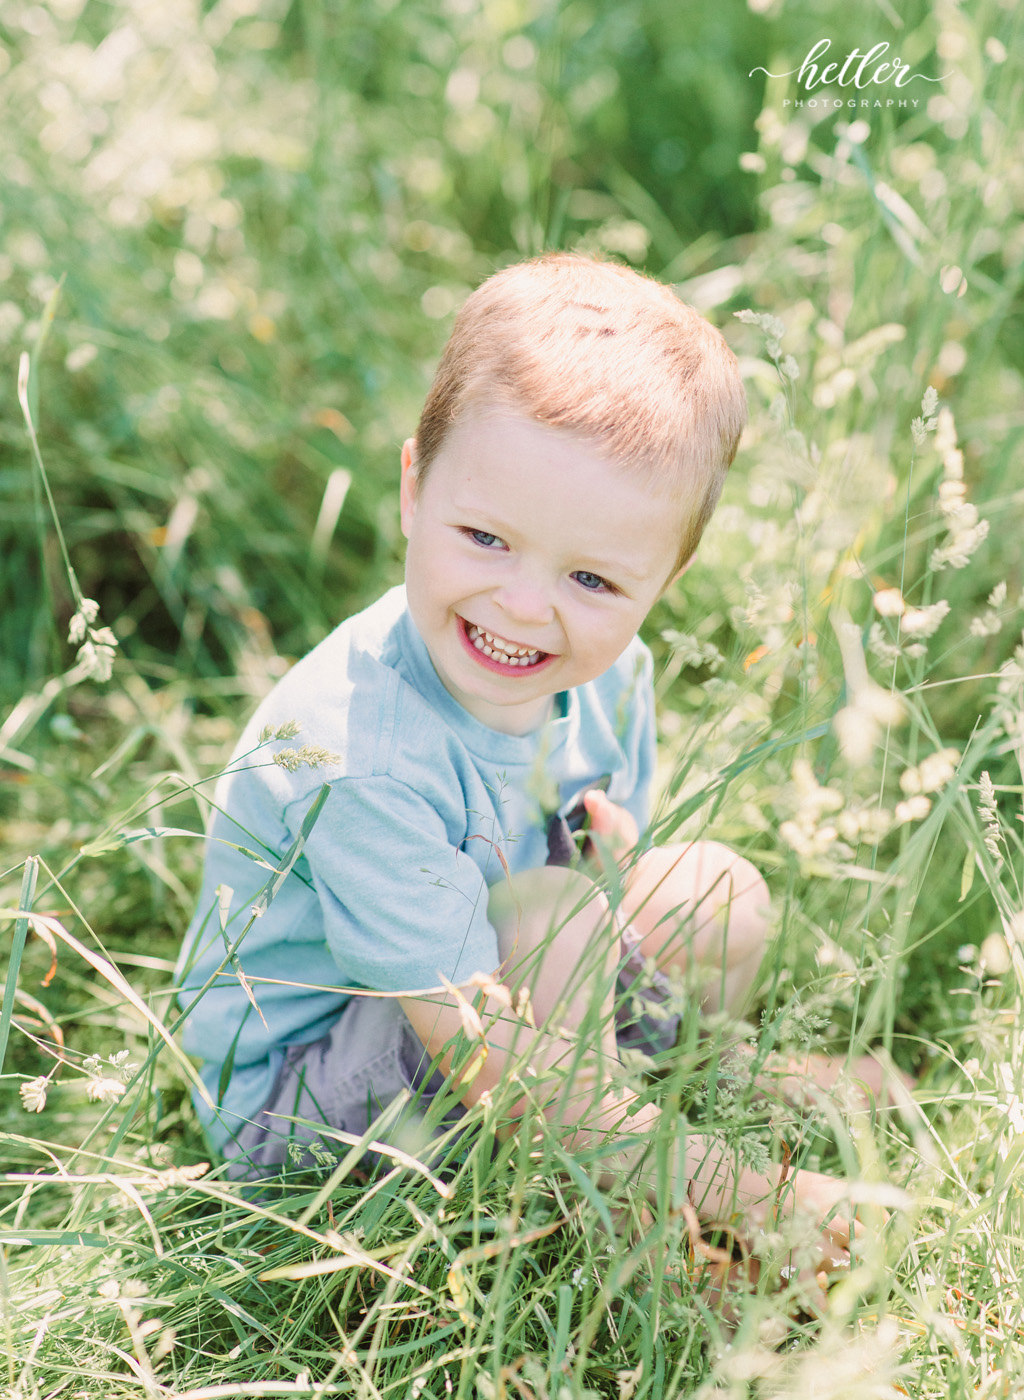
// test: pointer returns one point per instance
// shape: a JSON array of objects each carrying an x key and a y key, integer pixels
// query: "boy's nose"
[{"x": 525, "y": 600}]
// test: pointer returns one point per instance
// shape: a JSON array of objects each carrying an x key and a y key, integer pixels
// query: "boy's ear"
[{"x": 407, "y": 490}]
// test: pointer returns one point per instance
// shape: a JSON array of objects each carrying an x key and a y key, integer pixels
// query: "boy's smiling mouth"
[{"x": 499, "y": 654}]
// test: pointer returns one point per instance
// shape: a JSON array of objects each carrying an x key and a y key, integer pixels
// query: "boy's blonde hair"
[{"x": 600, "y": 350}]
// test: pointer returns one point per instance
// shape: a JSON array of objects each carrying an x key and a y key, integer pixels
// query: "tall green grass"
[{"x": 264, "y": 217}]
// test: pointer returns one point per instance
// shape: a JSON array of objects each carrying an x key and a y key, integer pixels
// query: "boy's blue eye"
[
  {"x": 592, "y": 582},
  {"x": 483, "y": 538}
]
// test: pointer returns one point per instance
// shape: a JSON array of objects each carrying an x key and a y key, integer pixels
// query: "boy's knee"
[
  {"x": 710, "y": 885},
  {"x": 745, "y": 909},
  {"x": 546, "y": 896}
]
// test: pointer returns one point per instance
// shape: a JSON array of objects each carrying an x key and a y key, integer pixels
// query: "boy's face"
[{"x": 532, "y": 562}]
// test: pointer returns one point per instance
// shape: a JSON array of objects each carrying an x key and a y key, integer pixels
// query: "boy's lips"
[{"x": 500, "y": 655}]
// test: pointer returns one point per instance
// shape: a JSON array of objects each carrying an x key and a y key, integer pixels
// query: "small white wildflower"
[
  {"x": 87, "y": 613},
  {"x": 965, "y": 531},
  {"x": 888, "y": 602},
  {"x": 923, "y": 622},
  {"x": 914, "y": 809},
  {"x": 958, "y": 552},
  {"x": 814, "y": 799},
  {"x": 33, "y": 1094},
  {"x": 952, "y": 501},
  {"x": 81, "y": 356},
  {"x": 807, "y": 833},
  {"x": 309, "y": 756},
  {"x": 868, "y": 824},
  {"x": 789, "y": 369},
  {"x": 104, "y": 1090},
  {"x": 879, "y": 644},
  {"x": 931, "y": 774},
  {"x": 693, "y": 652},
  {"x": 945, "y": 432},
  {"x": 937, "y": 769},
  {"x": 859, "y": 724},
  {"x": 988, "y": 623},
  {"x": 994, "y": 954},
  {"x": 164, "y": 1343},
  {"x": 122, "y": 1063},
  {"x": 97, "y": 660},
  {"x": 773, "y": 328},
  {"x": 77, "y": 627}
]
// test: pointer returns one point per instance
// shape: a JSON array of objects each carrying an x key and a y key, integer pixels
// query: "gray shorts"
[{"x": 371, "y": 1054}]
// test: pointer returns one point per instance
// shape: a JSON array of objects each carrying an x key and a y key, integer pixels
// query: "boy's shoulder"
[{"x": 347, "y": 694}]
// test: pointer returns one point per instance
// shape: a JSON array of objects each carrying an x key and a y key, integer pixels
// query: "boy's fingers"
[
  {"x": 598, "y": 806},
  {"x": 815, "y": 1279},
  {"x": 609, "y": 820}
]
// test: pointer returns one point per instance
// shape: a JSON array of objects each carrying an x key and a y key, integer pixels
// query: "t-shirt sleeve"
[{"x": 401, "y": 902}]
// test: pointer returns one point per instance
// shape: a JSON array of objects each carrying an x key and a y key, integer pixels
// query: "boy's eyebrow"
[{"x": 614, "y": 569}]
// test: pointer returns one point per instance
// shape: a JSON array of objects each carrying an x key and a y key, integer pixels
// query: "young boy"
[{"x": 570, "y": 453}]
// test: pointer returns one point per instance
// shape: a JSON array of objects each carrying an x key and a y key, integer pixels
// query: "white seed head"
[{"x": 33, "y": 1094}]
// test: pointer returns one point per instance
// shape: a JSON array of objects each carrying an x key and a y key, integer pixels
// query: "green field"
[{"x": 232, "y": 240}]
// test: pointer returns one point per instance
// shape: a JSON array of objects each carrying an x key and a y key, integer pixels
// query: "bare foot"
[{"x": 797, "y": 1076}]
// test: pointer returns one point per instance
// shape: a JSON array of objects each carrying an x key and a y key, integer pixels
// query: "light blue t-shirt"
[{"x": 390, "y": 891}]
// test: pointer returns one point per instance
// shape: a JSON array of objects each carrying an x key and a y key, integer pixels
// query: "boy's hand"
[
  {"x": 767, "y": 1204},
  {"x": 611, "y": 823},
  {"x": 815, "y": 1197}
]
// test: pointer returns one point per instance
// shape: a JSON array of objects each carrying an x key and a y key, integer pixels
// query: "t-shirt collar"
[{"x": 479, "y": 738}]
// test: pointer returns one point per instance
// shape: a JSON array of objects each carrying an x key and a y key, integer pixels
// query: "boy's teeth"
[{"x": 501, "y": 650}]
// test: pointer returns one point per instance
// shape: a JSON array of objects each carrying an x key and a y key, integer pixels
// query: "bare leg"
[
  {"x": 556, "y": 941},
  {"x": 703, "y": 910},
  {"x": 564, "y": 954}
]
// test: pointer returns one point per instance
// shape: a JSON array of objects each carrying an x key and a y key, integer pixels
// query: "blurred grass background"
[{"x": 262, "y": 215}]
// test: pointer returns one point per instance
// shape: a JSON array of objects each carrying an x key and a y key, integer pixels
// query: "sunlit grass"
[{"x": 264, "y": 219}]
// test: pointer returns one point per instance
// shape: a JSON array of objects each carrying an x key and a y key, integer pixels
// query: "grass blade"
[{"x": 28, "y": 889}]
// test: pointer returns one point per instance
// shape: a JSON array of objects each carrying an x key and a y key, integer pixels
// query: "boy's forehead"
[{"x": 510, "y": 474}]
